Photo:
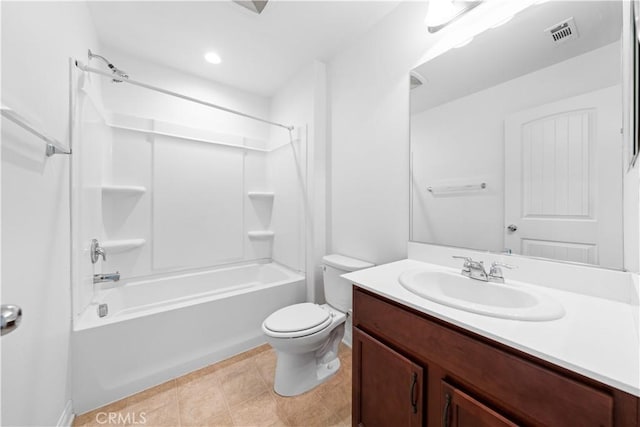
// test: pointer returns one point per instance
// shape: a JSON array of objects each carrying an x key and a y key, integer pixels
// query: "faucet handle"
[
  {"x": 502, "y": 264},
  {"x": 469, "y": 263},
  {"x": 495, "y": 274}
]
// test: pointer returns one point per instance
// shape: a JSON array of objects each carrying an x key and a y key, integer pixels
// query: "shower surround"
[{"x": 204, "y": 220}]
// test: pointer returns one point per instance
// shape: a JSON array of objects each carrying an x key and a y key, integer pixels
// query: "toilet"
[{"x": 306, "y": 336}]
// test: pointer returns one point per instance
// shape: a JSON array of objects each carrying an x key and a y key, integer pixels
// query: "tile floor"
[{"x": 234, "y": 392}]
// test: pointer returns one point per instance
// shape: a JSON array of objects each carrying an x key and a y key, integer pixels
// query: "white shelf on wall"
[
  {"x": 124, "y": 245},
  {"x": 261, "y": 195},
  {"x": 261, "y": 234},
  {"x": 123, "y": 190}
]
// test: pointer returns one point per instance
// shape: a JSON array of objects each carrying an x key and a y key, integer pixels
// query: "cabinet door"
[
  {"x": 387, "y": 387},
  {"x": 461, "y": 410}
]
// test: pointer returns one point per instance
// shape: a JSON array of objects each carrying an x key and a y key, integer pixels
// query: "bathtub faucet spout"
[{"x": 108, "y": 277}]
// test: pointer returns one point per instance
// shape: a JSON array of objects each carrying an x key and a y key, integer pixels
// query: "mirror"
[
  {"x": 516, "y": 142},
  {"x": 635, "y": 147}
]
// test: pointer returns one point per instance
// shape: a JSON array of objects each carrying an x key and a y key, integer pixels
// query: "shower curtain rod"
[{"x": 179, "y": 95}]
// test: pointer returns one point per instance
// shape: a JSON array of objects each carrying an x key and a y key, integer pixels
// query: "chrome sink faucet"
[{"x": 475, "y": 270}]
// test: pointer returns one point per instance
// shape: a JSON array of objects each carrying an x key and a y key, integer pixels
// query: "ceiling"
[
  {"x": 260, "y": 53},
  {"x": 514, "y": 49}
]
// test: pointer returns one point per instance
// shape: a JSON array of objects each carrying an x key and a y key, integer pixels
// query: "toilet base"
[
  {"x": 299, "y": 373},
  {"x": 305, "y": 362}
]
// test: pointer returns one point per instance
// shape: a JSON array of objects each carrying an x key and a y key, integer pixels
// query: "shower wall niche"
[{"x": 164, "y": 197}]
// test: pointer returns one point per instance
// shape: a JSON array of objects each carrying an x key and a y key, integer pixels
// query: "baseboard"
[{"x": 67, "y": 416}]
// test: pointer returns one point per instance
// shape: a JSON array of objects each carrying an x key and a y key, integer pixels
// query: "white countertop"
[{"x": 597, "y": 337}]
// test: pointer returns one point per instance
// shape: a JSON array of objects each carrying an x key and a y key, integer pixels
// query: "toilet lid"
[{"x": 297, "y": 317}]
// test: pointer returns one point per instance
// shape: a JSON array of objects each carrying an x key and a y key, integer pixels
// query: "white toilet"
[{"x": 306, "y": 336}]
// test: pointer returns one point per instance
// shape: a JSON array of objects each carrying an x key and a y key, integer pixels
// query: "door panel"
[
  {"x": 388, "y": 387},
  {"x": 562, "y": 200},
  {"x": 461, "y": 410}
]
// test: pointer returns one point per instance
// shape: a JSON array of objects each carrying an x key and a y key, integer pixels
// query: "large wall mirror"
[{"x": 516, "y": 141}]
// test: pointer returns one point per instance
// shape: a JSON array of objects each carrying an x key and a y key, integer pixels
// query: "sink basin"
[{"x": 508, "y": 301}]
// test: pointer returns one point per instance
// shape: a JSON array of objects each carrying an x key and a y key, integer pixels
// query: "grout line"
[
  {"x": 175, "y": 391},
  {"x": 226, "y": 402}
]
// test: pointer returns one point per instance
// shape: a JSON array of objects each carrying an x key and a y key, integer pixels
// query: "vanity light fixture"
[
  {"x": 212, "y": 58},
  {"x": 443, "y": 12}
]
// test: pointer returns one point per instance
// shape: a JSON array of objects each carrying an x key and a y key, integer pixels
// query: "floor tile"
[
  {"x": 201, "y": 409},
  {"x": 153, "y": 398},
  {"x": 304, "y": 410},
  {"x": 259, "y": 411},
  {"x": 100, "y": 416},
  {"x": 219, "y": 421},
  {"x": 163, "y": 416},
  {"x": 234, "y": 392},
  {"x": 241, "y": 381},
  {"x": 266, "y": 364},
  {"x": 337, "y": 399}
]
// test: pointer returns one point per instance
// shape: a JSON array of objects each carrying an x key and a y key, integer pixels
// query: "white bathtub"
[{"x": 159, "y": 329}]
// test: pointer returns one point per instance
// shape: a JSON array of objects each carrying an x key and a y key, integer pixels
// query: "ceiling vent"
[
  {"x": 563, "y": 32},
  {"x": 256, "y": 6}
]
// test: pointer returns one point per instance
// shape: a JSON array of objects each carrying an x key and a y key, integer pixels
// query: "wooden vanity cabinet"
[{"x": 411, "y": 369}]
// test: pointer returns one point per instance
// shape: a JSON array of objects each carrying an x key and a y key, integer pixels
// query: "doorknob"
[
  {"x": 10, "y": 318},
  {"x": 512, "y": 227}
]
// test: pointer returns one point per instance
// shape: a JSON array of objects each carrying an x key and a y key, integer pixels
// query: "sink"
[{"x": 508, "y": 301}]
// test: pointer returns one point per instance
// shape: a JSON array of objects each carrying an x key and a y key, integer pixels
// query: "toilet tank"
[{"x": 337, "y": 291}]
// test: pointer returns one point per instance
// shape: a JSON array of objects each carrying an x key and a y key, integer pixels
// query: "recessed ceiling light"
[{"x": 212, "y": 57}]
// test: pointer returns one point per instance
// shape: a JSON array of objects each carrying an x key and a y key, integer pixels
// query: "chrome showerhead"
[{"x": 118, "y": 74}]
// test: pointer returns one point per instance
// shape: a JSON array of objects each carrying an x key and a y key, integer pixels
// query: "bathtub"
[{"x": 158, "y": 329}]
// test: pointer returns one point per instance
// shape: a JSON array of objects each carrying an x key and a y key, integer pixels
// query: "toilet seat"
[{"x": 297, "y": 320}]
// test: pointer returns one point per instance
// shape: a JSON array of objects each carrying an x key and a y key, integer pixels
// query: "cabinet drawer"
[{"x": 531, "y": 392}]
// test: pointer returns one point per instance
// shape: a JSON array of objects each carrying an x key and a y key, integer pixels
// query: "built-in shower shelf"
[
  {"x": 123, "y": 190},
  {"x": 124, "y": 245},
  {"x": 261, "y": 234},
  {"x": 261, "y": 195}
]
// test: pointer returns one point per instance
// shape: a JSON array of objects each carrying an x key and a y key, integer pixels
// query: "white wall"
[
  {"x": 631, "y": 207},
  {"x": 136, "y": 101},
  {"x": 297, "y": 175},
  {"x": 369, "y": 135},
  {"x": 37, "y": 40},
  {"x": 445, "y": 153}
]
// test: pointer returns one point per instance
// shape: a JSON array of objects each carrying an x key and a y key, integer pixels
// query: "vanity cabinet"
[{"x": 463, "y": 379}]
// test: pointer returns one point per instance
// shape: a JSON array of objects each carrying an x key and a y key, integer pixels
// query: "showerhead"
[{"x": 116, "y": 72}]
